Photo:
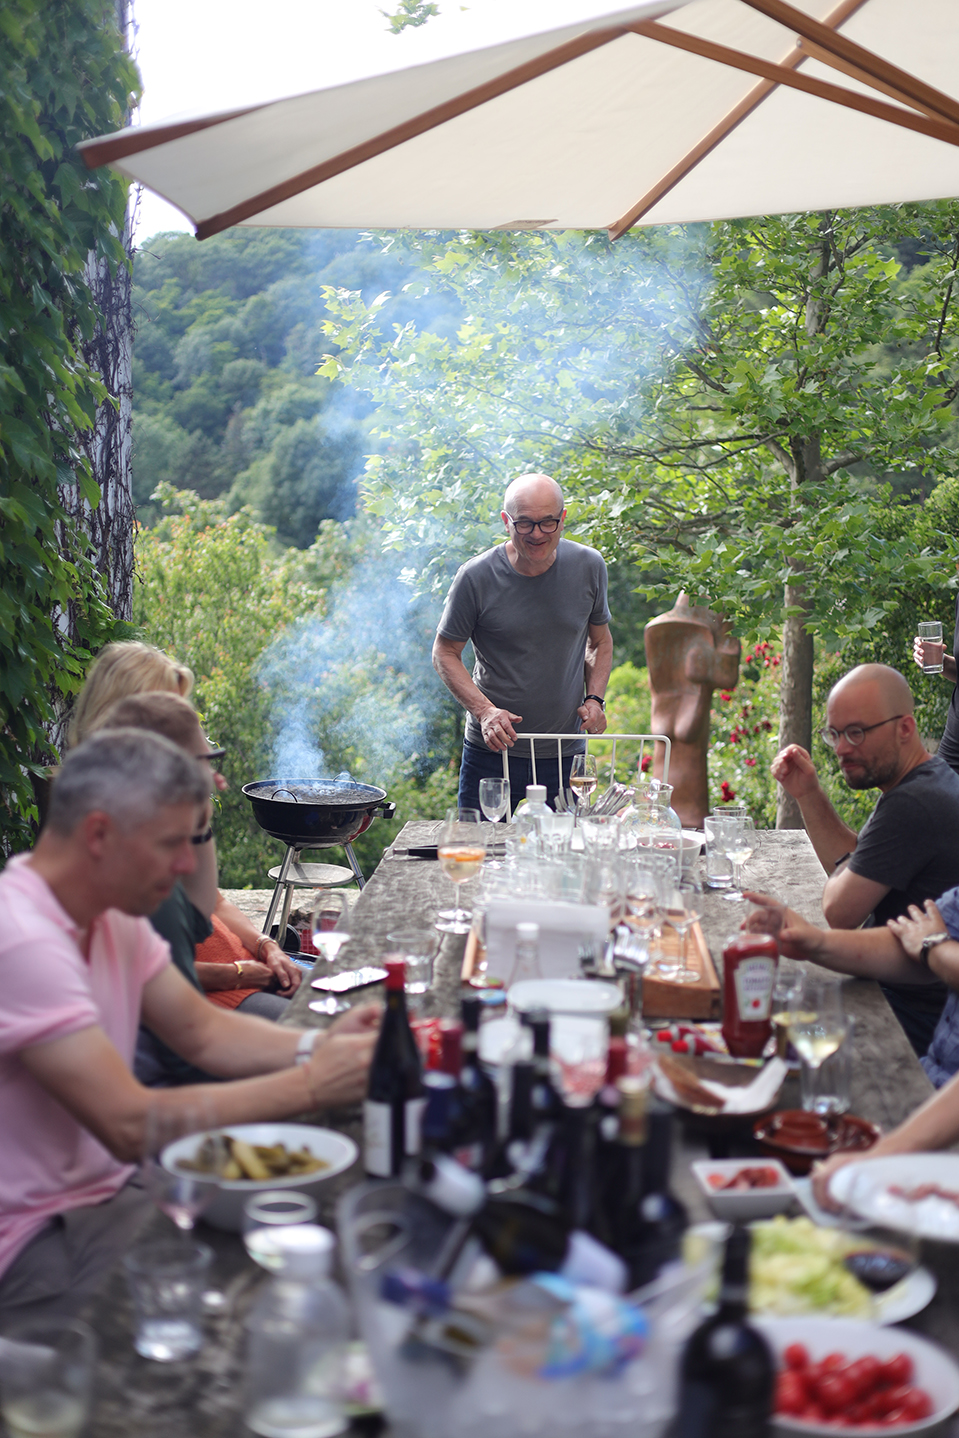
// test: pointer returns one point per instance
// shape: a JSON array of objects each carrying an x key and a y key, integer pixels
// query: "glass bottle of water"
[
  {"x": 296, "y": 1333},
  {"x": 530, "y": 822}
]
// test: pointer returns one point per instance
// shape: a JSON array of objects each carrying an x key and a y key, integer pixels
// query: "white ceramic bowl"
[
  {"x": 582, "y": 997},
  {"x": 741, "y": 1204},
  {"x": 935, "y": 1370},
  {"x": 226, "y": 1210}
]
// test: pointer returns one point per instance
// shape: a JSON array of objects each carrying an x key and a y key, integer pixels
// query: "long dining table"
[{"x": 203, "y": 1397}]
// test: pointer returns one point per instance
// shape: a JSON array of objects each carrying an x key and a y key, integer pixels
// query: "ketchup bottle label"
[{"x": 754, "y": 979}]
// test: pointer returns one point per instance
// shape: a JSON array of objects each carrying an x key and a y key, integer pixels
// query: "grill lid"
[{"x": 341, "y": 792}]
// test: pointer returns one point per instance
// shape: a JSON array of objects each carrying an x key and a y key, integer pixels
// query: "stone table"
[{"x": 202, "y": 1397}]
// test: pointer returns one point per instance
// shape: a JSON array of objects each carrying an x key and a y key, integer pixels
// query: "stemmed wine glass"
[
  {"x": 583, "y": 778},
  {"x": 494, "y": 797},
  {"x": 737, "y": 839},
  {"x": 461, "y": 852},
  {"x": 819, "y": 1024},
  {"x": 682, "y": 905},
  {"x": 183, "y": 1194},
  {"x": 330, "y": 930}
]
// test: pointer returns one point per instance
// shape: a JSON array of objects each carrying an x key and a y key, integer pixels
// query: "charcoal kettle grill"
[{"x": 313, "y": 814}]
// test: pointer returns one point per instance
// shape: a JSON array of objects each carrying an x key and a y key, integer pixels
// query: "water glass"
[
  {"x": 417, "y": 949},
  {"x": 930, "y": 630},
  {"x": 46, "y": 1377},
  {"x": 166, "y": 1280},
  {"x": 719, "y": 869}
]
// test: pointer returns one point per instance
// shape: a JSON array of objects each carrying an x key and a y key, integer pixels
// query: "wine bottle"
[
  {"x": 440, "y": 1115},
  {"x": 393, "y": 1110},
  {"x": 507, "y": 1157},
  {"x": 546, "y": 1102},
  {"x": 727, "y": 1373},
  {"x": 664, "y": 1217},
  {"x": 618, "y": 1219},
  {"x": 477, "y": 1096}
]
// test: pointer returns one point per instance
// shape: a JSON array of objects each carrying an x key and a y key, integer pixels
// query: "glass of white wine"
[
  {"x": 819, "y": 1025},
  {"x": 330, "y": 930},
  {"x": 787, "y": 993},
  {"x": 461, "y": 851},
  {"x": 583, "y": 778},
  {"x": 46, "y": 1377}
]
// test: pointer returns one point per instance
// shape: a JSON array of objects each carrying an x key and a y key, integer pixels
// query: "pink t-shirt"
[{"x": 48, "y": 1162}]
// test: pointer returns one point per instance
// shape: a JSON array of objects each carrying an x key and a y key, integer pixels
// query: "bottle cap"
[
  {"x": 395, "y": 973},
  {"x": 305, "y": 1250},
  {"x": 536, "y": 793},
  {"x": 528, "y": 933}
]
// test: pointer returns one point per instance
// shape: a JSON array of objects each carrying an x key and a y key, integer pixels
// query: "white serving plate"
[
  {"x": 226, "y": 1210},
  {"x": 935, "y": 1371},
  {"x": 582, "y": 997},
  {"x": 740, "y": 1205},
  {"x": 873, "y": 1178}
]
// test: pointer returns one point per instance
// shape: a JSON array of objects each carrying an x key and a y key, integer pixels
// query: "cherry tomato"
[
  {"x": 898, "y": 1415},
  {"x": 863, "y": 1373},
  {"x": 858, "y": 1413},
  {"x": 833, "y": 1361},
  {"x": 917, "y": 1403},
  {"x": 898, "y": 1369},
  {"x": 790, "y": 1393},
  {"x": 835, "y": 1391},
  {"x": 796, "y": 1356}
]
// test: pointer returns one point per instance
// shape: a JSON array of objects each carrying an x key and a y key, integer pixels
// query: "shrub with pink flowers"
[{"x": 743, "y": 736}]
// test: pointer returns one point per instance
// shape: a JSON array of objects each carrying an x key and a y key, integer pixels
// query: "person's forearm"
[
  {"x": 239, "y": 924},
  {"x": 234, "y": 1045},
  {"x": 829, "y": 836},
  {"x": 458, "y": 681},
  {"x": 949, "y": 667},
  {"x": 597, "y": 666},
  {"x": 866, "y": 954},
  {"x": 933, "y": 1126},
  {"x": 215, "y": 977}
]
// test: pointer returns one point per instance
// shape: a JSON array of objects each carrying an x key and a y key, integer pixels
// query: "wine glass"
[
  {"x": 583, "y": 778},
  {"x": 683, "y": 903},
  {"x": 787, "y": 992},
  {"x": 737, "y": 837},
  {"x": 494, "y": 797},
  {"x": 643, "y": 910},
  {"x": 330, "y": 930},
  {"x": 461, "y": 852},
  {"x": 183, "y": 1194},
  {"x": 819, "y": 1026}
]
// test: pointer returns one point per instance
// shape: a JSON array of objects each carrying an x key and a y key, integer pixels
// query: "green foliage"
[
  {"x": 411, "y": 13},
  {"x": 63, "y": 77},
  {"x": 627, "y": 712}
]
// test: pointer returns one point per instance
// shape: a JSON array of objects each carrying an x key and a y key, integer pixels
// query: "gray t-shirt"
[
  {"x": 529, "y": 635},
  {"x": 911, "y": 839}
]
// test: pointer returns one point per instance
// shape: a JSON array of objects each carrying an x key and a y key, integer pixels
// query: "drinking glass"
[
  {"x": 819, "y": 1025},
  {"x": 643, "y": 907},
  {"x": 827, "y": 1090},
  {"x": 682, "y": 906},
  {"x": 719, "y": 870},
  {"x": 583, "y": 778},
  {"x": 166, "y": 1281},
  {"x": 46, "y": 1377},
  {"x": 494, "y": 797},
  {"x": 330, "y": 930},
  {"x": 184, "y": 1194},
  {"x": 417, "y": 949},
  {"x": 931, "y": 630},
  {"x": 268, "y": 1218},
  {"x": 461, "y": 852},
  {"x": 738, "y": 839},
  {"x": 787, "y": 992},
  {"x": 579, "y": 1046}
]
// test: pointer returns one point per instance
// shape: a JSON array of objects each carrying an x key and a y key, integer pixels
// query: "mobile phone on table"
[{"x": 349, "y": 979}]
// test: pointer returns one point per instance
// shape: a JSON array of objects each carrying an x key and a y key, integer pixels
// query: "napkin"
[{"x": 745, "y": 1098}]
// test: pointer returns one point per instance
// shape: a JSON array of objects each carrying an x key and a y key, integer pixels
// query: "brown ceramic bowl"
[{"x": 800, "y": 1139}]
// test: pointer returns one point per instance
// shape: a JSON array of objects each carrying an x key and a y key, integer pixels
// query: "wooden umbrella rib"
[
  {"x": 910, "y": 88},
  {"x": 816, "y": 52},
  {"x": 131, "y": 142},
  {"x": 409, "y": 129}
]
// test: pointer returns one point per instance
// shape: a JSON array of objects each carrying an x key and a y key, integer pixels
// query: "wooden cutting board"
[{"x": 665, "y": 1000}]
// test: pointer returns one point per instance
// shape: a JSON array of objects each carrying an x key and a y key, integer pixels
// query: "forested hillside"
[{"x": 227, "y": 399}]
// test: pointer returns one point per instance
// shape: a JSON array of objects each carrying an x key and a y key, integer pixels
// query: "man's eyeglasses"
[
  {"x": 853, "y": 733},
  {"x": 545, "y": 526}
]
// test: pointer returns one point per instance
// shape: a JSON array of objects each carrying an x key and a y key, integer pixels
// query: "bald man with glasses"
[
  {"x": 535, "y": 610},
  {"x": 908, "y": 849}
]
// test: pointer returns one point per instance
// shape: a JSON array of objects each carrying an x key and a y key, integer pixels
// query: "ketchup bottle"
[{"x": 749, "y": 973}]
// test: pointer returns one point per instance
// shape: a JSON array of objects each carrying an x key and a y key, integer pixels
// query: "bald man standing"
[
  {"x": 908, "y": 849},
  {"x": 535, "y": 609}
]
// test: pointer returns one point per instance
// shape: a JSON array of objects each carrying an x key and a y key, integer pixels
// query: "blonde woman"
[{"x": 121, "y": 669}]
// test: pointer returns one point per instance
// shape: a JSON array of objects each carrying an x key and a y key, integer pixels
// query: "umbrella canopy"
[{"x": 667, "y": 111}]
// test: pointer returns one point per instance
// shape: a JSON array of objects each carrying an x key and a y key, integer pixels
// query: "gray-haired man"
[{"x": 78, "y": 965}]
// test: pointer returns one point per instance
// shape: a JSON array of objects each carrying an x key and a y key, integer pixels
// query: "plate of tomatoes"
[{"x": 841, "y": 1373}]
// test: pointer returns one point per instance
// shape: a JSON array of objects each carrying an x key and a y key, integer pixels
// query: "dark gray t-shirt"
[
  {"x": 529, "y": 635},
  {"x": 911, "y": 839}
]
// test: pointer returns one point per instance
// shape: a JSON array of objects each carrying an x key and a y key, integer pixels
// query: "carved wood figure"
[{"x": 690, "y": 652}]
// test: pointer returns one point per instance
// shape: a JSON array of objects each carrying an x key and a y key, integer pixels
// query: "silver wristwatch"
[{"x": 930, "y": 942}]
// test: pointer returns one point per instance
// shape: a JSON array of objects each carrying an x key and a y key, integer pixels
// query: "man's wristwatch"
[
  {"x": 600, "y": 702},
  {"x": 931, "y": 941}
]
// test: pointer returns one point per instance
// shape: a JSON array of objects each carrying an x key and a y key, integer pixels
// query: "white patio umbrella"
[{"x": 667, "y": 111}]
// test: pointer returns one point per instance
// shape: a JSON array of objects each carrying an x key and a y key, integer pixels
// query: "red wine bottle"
[
  {"x": 477, "y": 1097},
  {"x": 393, "y": 1110},
  {"x": 727, "y": 1373}
]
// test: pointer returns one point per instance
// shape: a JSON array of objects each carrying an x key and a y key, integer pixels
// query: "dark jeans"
[{"x": 480, "y": 764}]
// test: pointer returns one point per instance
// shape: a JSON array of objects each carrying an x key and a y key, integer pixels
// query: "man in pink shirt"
[{"x": 79, "y": 965}]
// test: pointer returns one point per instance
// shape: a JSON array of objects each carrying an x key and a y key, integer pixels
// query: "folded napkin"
[{"x": 681, "y": 1087}]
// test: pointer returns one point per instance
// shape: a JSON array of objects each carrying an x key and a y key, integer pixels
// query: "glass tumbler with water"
[
  {"x": 166, "y": 1279},
  {"x": 46, "y": 1377},
  {"x": 930, "y": 631}
]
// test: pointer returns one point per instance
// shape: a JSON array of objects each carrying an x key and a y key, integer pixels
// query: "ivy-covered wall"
[{"x": 64, "y": 76}]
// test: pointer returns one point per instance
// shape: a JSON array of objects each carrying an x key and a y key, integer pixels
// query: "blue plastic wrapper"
[{"x": 597, "y": 1332}]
